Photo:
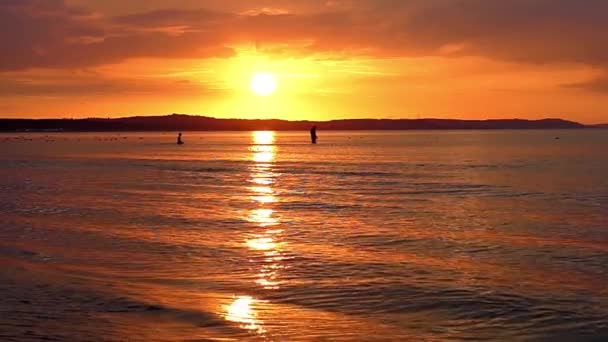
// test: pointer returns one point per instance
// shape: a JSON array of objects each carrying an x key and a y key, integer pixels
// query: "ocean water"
[{"x": 387, "y": 236}]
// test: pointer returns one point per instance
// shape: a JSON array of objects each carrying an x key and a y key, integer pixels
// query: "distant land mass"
[{"x": 182, "y": 122}]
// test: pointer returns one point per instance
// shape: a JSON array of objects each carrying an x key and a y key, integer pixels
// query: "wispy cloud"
[{"x": 596, "y": 85}]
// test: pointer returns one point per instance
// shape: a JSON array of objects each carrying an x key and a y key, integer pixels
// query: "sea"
[{"x": 263, "y": 236}]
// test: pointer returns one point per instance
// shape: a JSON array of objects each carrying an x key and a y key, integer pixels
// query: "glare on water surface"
[
  {"x": 264, "y": 242},
  {"x": 263, "y": 217},
  {"x": 241, "y": 311},
  {"x": 263, "y": 137}
]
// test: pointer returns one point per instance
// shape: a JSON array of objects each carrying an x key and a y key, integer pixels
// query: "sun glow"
[{"x": 263, "y": 83}]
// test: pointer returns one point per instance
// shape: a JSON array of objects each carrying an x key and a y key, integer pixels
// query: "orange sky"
[{"x": 332, "y": 59}]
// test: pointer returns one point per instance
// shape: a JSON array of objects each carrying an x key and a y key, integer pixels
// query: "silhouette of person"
[
  {"x": 313, "y": 134},
  {"x": 179, "y": 139}
]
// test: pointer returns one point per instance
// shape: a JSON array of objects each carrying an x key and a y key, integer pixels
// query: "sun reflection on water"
[
  {"x": 266, "y": 240},
  {"x": 263, "y": 217},
  {"x": 263, "y": 137},
  {"x": 262, "y": 180},
  {"x": 264, "y": 198},
  {"x": 265, "y": 244},
  {"x": 263, "y": 155},
  {"x": 241, "y": 311},
  {"x": 262, "y": 243},
  {"x": 261, "y": 189},
  {"x": 263, "y": 150}
]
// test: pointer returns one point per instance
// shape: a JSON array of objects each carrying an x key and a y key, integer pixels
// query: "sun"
[{"x": 263, "y": 83}]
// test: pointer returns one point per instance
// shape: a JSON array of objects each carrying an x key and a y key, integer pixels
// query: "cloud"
[
  {"x": 92, "y": 84},
  {"x": 539, "y": 31},
  {"x": 48, "y": 34},
  {"x": 199, "y": 18},
  {"x": 51, "y": 34},
  {"x": 597, "y": 85}
]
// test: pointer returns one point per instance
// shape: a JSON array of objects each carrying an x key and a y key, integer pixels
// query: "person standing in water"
[
  {"x": 179, "y": 139},
  {"x": 313, "y": 134}
]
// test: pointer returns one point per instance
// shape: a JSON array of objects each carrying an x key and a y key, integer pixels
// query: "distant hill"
[
  {"x": 599, "y": 126},
  {"x": 181, "y": 122}
]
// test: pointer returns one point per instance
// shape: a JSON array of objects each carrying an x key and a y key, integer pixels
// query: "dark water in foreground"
[{"x": 262, "y": 236}]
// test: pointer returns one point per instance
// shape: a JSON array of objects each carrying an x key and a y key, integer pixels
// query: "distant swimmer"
[
  {"x": 313, "y": 134},
  {"x": 179, "y": 139}
]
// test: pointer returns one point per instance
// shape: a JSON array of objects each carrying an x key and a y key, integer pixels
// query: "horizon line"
[{"x": 291, "y": 120}]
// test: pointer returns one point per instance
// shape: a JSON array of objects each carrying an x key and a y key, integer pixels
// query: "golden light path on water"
[
  {"x": 241, "y": 311},
  {"x": 267, "y": 239}
]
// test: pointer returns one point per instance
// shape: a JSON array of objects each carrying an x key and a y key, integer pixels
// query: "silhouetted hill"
[
  {"x": 599, "y": 126},
  {"x": 180, "y": 122}
]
